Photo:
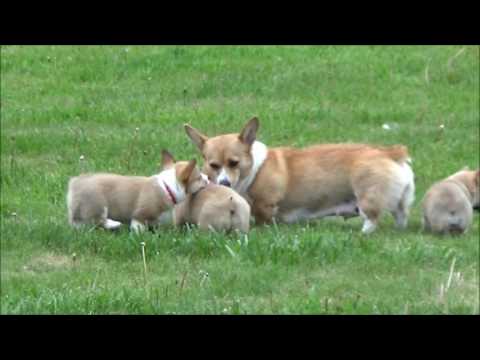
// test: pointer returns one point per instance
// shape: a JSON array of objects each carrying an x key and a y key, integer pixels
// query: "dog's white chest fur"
[
  {"x": 259, "y": 152},
  {"x": 169, "y": 178}
]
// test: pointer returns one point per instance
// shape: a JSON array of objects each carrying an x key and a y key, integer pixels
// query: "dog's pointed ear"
[
  {"x": 196, "y": 136},
  {"x": 167, "y": 160},
  {"x": 187, "y": 171},
  {"x": 249, "y": 132}
]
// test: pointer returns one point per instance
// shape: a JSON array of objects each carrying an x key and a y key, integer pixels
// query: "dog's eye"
[
  {"x": 232, "y": 163},
  {"x": 214, "y": 166}
]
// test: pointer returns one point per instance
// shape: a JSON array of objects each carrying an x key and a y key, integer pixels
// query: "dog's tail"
[{"x": 398, "y": 153}]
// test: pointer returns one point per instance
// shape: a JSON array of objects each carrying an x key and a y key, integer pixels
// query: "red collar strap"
[{"x": 170, "y": 193}]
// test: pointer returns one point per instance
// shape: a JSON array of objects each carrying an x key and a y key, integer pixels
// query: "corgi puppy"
[
  {"x": 289, "y": 184},
  {"x": 448, "y": 204},
  {"x": 108, "y": 200},
  {"x": 214, "y": 207}
]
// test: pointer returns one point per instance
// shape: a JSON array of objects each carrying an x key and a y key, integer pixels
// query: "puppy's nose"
[{"x": 225, "y": 182}]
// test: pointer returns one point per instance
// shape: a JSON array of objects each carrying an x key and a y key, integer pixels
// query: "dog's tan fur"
[
  {"x": 107, "y": 200},
  {"x": 215, "y": 207},
  {"x": 294, "y": 184},
  {"x": 448, "y": 204}
]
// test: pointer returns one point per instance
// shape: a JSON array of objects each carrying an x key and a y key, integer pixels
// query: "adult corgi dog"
[
  {"x": 289, "y": 184},
  {"x": 215, "y": 207},
  {"x": 108, "y": 200},
  {"x": 448, "y": 204}
]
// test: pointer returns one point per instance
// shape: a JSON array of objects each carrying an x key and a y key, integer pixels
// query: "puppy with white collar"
[
  {"x": 289, "y": 184},
  {"x": 448, "y": 204},
  {"x": 108, "y": 200},
  {"x": 215, "y": 207}
]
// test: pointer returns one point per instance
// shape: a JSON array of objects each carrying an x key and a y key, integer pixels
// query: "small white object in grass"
[
  {"x": 137, "y": 129},
  {"x": 142, "y": 243},
  {"x": 127, "y": 49},
  {"x": 442, "y": 126},
  {"x": 386, "y": 127},
  {"x": 82, "y": 157},
  {"x": 14, "y": 214}
]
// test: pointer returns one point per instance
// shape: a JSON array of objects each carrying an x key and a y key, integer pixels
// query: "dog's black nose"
[{"x": 225, "y": 182}]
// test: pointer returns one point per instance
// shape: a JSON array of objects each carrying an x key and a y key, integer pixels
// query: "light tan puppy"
[
  {"x": 448, "y": 204},
  {"x": 108, "y": 200},
  {"x": 215, "y": 207},
  {"x": 291, "y": 184}
]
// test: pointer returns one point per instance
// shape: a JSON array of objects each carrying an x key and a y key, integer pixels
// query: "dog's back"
[
  {"x": 215, "y": 207},
  {"x": 89, "y": 196},
  {"x": 447, "y": 208}
]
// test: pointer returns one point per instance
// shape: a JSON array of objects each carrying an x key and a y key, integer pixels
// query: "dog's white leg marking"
[
  {"x": 111, "y": 224},
  {"x": 408, "y": 196},
  {"x": 368, "y": 225},
  {"x": 107, "y": 223},
  {"x": 137, "y": 226}
]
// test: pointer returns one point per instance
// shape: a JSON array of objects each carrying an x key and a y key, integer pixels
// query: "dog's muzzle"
[
  {"x": 223, "y": 179},
  {"x": 225, "y": 182}
]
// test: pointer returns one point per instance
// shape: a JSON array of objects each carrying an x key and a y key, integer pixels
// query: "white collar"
[
  {"x": 259, "y": 152},
  {"x": 169, "y": 178}
]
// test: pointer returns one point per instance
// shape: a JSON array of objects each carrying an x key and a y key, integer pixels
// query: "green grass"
[{"x": 58, "y": 103}]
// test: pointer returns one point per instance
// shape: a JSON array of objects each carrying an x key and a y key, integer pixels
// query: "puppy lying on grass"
[
  {"x": 448, "y": 204},
  {"x": 108, "y": 200},
  {"x": 215, "y": 207}
]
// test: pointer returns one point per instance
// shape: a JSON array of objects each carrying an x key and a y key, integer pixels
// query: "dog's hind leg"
[
  {"x": 401, "y": 209},
  {"x": 401, "y": 212},
  {"x": 370, "y": 211},
  {"x": 370, "y": 202},
  {"x": 370, "y": 221}
]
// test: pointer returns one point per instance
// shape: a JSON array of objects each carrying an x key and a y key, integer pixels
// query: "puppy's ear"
[
  {"x": 167, "y": 160},
  {"x": 249, "y": 132},
  {"x": 196, "y": 136},
  {"x": 187, "y": 171}
]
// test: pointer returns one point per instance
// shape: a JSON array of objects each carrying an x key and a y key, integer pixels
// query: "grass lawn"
[{"x": 59, "y": 103}]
